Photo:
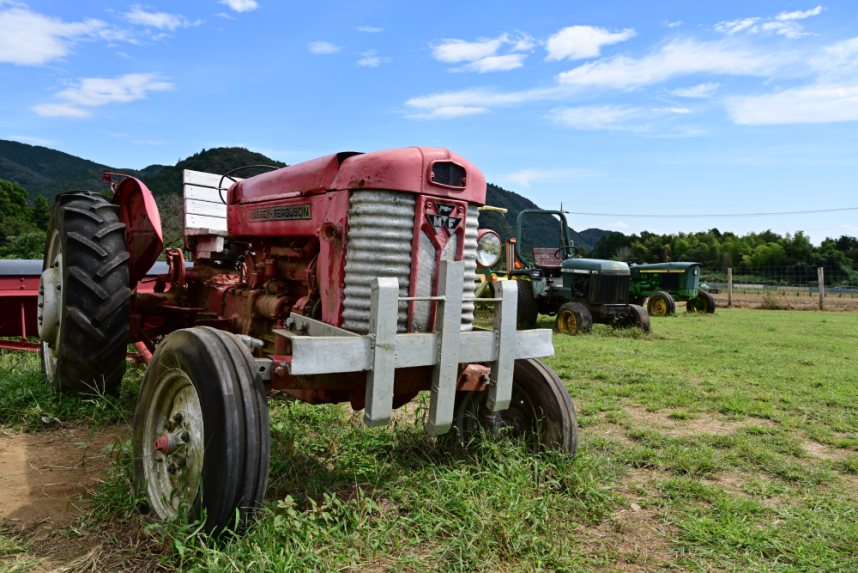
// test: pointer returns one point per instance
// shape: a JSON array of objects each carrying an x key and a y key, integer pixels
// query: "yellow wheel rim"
[
  {"x": 566, "y": 322},
  {"x": 659, "y": 308}
]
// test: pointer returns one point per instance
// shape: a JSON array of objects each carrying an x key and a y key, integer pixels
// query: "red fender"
[{"x": 143, "y": 236}]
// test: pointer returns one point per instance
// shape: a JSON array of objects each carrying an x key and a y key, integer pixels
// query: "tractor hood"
[
  {"x": 595, "y": 266},
  {"x": 662, "y": 268}
]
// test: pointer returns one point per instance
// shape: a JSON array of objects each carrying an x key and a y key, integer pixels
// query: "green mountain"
[
  {"x": 537, "y": 230},
  {"x": 43, "y": 171}
]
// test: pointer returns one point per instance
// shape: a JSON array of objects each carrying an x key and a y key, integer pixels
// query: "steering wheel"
[{"x": 567, "y": 247}]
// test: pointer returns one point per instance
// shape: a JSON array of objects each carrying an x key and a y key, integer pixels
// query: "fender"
[{"x": 143, "y": 235}]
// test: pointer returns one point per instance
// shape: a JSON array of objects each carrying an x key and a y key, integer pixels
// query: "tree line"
[{"x": 716, "y": 249}]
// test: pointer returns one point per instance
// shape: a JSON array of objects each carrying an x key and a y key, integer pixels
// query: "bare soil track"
[{"x": 45, "y": 476}]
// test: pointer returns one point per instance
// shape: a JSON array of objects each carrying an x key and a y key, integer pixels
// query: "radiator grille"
[
  {"x": 609, "y": 289},
  {"x": 381, "y": 228},
  {"x": 670, "y": 281},
  {"x": 449, "y": 174},
  {"x": 469, "y": 255}
]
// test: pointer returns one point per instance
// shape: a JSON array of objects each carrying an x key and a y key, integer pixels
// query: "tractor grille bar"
[
  {"x": 609, "y": 289},
  {"x": 449, "y": 174},
  {"x": 469, "y": 255},
  {"x": 381, "y": 228},
  {"x": 670, "y": 281}
]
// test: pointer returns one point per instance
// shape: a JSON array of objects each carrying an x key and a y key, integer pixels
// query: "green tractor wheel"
[
  {"x": 528, "y": 309},
  {"x": 573, "y": 318},
  {"x": 639, "y": 317},
  {"x": 704, "y": 303},
  {"x": 661, "y": 304}
]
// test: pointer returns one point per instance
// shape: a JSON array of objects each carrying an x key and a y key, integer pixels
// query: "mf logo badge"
[{"x": 443, "y": 218}]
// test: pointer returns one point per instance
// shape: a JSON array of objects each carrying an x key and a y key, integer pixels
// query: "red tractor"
[{"x": 348, "y": 278}]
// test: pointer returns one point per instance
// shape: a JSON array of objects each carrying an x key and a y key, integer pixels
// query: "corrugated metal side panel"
[
  {"x": 381, "y": 228},
  {"x": 469, "y": 255}
]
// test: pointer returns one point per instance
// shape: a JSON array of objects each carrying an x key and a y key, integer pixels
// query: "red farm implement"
[{"x": 348, "y": 278}]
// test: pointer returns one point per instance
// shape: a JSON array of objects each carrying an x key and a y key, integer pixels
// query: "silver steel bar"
[
  {"x": 421, "y": 298},
  {"x": 382, "y": 327},
  {"x": 500, "y": 392},
  {"x": 449, "y": 317}
]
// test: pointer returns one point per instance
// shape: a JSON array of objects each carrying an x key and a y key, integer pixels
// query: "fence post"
[
  {"x": 821, "y": 272},
  {"x": 730, "y": 287}
]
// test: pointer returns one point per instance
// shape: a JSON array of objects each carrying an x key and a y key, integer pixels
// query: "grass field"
[{"x": 719, "y": 442}]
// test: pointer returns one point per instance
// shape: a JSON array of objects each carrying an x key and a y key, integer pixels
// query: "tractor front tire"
[
  {"x": 540, "y": 412},
  {"x": 528, "y": 309},
  {"x": 573, "y": 318},
  {"x": 704, "y": 303},
  {"x": 639, "y": 318},
  {"x": 201, "y": 431},
  {"x": 84, "y": 295},
  {"x": 661, "y": 304}
]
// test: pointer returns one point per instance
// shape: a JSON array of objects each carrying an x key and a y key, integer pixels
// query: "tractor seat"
[{"x": 545, "y": 259}]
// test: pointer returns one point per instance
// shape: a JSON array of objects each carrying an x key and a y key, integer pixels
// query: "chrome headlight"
[{"x": 488, "y": 249}]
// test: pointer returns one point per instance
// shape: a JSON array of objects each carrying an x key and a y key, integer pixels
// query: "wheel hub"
[
  {"x": 173, "y": 444},
  {"x": 50, "y": 302}
]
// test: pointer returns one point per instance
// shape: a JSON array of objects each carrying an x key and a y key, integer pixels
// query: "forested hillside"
[{"x": 716, "y": 249}]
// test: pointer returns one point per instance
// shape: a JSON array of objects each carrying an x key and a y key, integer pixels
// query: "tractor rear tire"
[
  {"x": 661, "y": 304},
  {"x": 528, "y": 309},
  {"x": 704, "y": 303},
  {"x": 573, "y": 318},
  {"x": 84, "y": 295},
  {"x": 541, "y": 412},
  {"x": 202, "y": 401},
  {"x": 639, "y": 317}
]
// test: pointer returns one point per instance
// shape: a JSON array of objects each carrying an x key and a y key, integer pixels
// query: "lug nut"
[
  {"x": 59, "y": 287},
  {"x": 178, "y": 418},
  {"x": 41, "y": 305},
  {"x": 58, "y": 323},
  {"x": 171, "y": 469},
  {"x": 186, "y": 437}
]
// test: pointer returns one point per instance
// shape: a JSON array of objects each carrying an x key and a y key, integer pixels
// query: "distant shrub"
[
  {"x": 771, "y": 301},
  {"x": 25, "y": 246}
]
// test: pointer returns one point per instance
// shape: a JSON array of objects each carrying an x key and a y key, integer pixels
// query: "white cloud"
[
  {"x": 674, "y": 24},
  {"x": 579, "y": 42},
  {"x": 370, "y": 60},
  {"x": 95, "y": 92},
  {"x": 700, "y": 90},
  {"x": 161, "y": 20},
  {"x": 369, "y": 29},
  {"x": 495, "y": 64},
  {"x": 594, "y": 117},
  {"x": 447, "y": 112},
  {"x": 527, "y": 176},
  {"x": 811, "y": 104},
  {"x": 241, "y": 5},
  {"x": 523, "y": 43},
  {"x": 618, "y": 225},
  {"x": 673, "y": 109},
  {"x": 679, "y": 57},
  {"x": 736, "y": 25},
  {"x": 31, "y": 39},
  {"x": 784, "y": 24},
  {"x": 799, "y": 15},
  {"x": 453, "y": 51},
  {"x": 33, "y": 140},
  {"x": 224, "y": 15},
  {"x": 323, "y": 48}
]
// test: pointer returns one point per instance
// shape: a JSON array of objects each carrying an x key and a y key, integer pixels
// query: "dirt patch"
[
  {"x": 636, "y": 538},
  {"x": 701, "y": 423},
  {"x": 43, "y": 475},
  {"x": 817, "y": 450}
]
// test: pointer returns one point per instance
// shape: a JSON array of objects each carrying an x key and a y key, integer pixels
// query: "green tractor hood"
[{"x": 595, "y": 265}]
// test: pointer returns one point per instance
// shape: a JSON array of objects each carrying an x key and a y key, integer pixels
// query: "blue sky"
[{"x": 627, "y": 108}]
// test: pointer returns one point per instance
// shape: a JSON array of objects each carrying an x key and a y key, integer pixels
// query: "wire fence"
[{"x": 789, "y": 279}]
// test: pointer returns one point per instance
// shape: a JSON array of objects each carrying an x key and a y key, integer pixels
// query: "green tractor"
[
  {"x": 665, "y": 283},
  {"x": 579, "y": 292}
]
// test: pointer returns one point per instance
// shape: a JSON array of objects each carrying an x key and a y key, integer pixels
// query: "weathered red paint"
[{"x": 143, "y": 235}]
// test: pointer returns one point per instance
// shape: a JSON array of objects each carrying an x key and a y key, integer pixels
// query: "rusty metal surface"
[{"x": 380, "y": 233}]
